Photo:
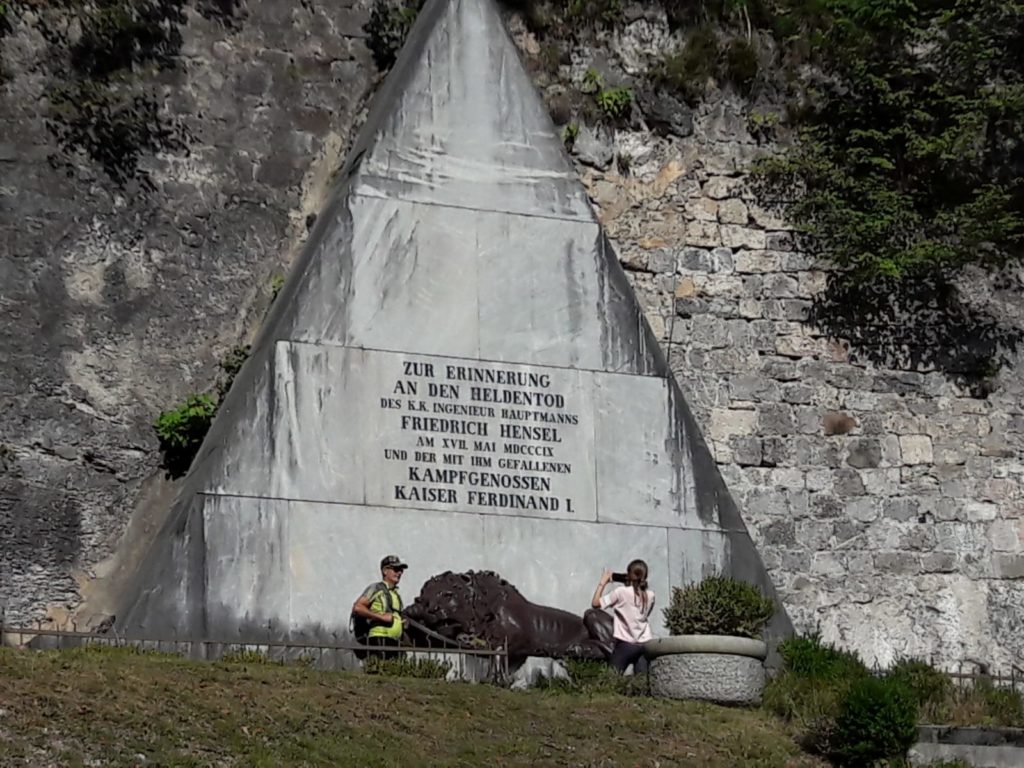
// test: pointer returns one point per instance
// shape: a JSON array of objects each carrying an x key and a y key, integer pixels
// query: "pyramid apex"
[{"x": 459, "y": 123}]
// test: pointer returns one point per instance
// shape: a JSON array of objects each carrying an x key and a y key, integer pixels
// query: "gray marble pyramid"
[{"x": 456, "y": 371}]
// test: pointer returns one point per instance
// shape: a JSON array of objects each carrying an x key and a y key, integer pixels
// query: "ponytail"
[{"x": 636, "y": 572}]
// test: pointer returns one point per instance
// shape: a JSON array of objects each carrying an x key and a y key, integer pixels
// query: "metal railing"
[
  {"x": 967, "y": 674},
  {"x": 478, "y": 664}
]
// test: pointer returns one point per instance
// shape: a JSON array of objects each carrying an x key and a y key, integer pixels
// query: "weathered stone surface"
[
  {"x": 733, "y": 211},
  {"x": 667, "y": 114},
  {"x": 720, "y": 187},
  {"x": 864, "y": 453},
  {"x": 593, "y": 147},
  {"x": 720, "y": 678},
  {"x": 916, "y": 449},
  {"x": 735, "y": 236},
  {"x": 119, "y": 302}
]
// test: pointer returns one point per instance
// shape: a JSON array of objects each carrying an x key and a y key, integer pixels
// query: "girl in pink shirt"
[{"x": 631, "y": 606}]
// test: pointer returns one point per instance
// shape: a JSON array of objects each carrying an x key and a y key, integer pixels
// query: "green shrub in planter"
[
  {"x": 718, "y": 606},
  {"x": 877, "y": 721}
]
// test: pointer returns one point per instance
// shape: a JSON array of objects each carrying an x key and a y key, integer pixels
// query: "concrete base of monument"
[{"x": 720, "y": 669}]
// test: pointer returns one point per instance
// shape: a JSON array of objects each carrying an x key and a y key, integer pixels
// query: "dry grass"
[{"x": 120, "y": 708}]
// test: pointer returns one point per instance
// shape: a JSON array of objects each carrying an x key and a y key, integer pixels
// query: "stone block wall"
[{"x": 887, "y": 502}]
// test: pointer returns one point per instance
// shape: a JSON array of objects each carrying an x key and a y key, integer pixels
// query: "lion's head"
[{"x": 462, "y": 604}]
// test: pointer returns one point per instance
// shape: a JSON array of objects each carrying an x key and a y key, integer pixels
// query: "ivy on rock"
[{"x": 911, "y": 150}]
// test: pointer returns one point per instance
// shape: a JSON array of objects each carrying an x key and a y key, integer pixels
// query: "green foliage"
[
  {"x": 708, "y": 54},
  {"x": 817, "y": 680},
  {"x": 688, "y": 71},
  {"x": 807, "y": 656},
  {"x": 741, "y": 64},
  {"x": 1001, "y": 706},
  {"x": 615, "y": 102},
  {"x": 570, "y": 134},
  {"x": 276, "y": 284},
  {"x": 911, "y": 151},
  {"x": 230, "y": 365},
  {"x": 181, "y": 431},
  {"x": 809, "y": 691},
  {"x": 877, "y": 721},
  {"x": 388, "y": 27},
  {"x": 407, "y": 667},
  {"x": 718, "y": 606},
  {"x": 592, "y": 81},
  {"x": 6, "y": 18},
  {"x": 119, "y": 34},
  {"x": 742, "y": 14},
  {"x": 586, "y": 11},
  {"x": 113, "y": 128},
  {"x": 570, "y": 14},
  {"x": 932, "y": 689},
  {"x": 843, "y": 711},
  {"x": 762, "y": 125},
  {"x": 99, "y": 107},
  {"x": 593, "y": 677},
  {"x": 245, "y": 656}
]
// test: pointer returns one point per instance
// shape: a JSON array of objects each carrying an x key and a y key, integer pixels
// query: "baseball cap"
[{"x": 392, "y": 561}]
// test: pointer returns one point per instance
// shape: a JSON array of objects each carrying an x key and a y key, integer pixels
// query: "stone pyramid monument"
[{"x": 456, "y": 371}]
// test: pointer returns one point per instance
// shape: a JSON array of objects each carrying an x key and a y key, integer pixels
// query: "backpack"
[{"x": 359, "y": 625}]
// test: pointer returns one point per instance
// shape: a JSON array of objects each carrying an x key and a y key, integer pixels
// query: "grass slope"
[{"x": 115, "y": 707}]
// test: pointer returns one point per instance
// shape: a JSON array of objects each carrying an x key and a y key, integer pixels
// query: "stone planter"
[{"x": 717, "y": 668}]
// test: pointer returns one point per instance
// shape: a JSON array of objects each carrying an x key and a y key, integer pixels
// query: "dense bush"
[
  {"x": 718, "y": 606},
  {"x": 181, "y": 431},
  {"x": 1000, "y": 706},
  {"x": 877, "y": 721},
  {"x": 809, "y": 691},
  {"x": 809, "y": 657},
  {"x": 817, "y": 680},
  {"x": 932, "y": 689}
]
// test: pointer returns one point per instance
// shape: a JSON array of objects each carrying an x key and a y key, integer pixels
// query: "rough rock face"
[
  {"x": 880, "y": 473},
  {"x": 117, "y": 300}
]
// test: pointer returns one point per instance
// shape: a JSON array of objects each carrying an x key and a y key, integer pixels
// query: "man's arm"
[{"x": 361, "y": 607}]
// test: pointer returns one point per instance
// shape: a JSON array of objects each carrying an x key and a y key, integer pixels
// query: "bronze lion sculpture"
[{"x": 480, "y": 607}]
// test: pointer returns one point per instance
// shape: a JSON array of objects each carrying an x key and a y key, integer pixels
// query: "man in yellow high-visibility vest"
[{"x": 381, "y": 605}]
